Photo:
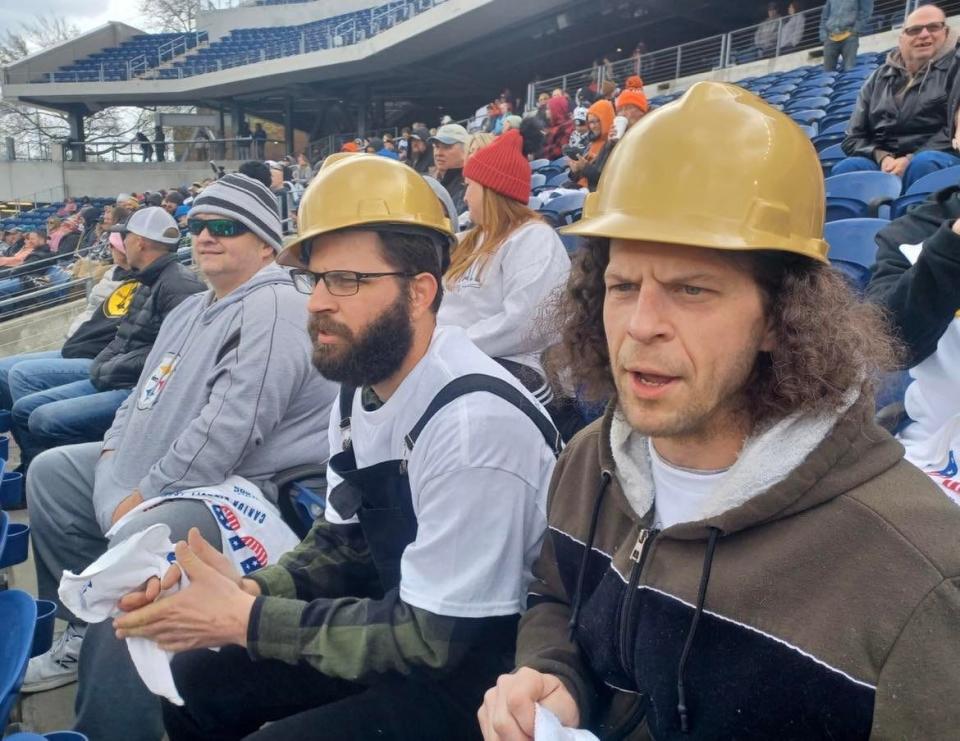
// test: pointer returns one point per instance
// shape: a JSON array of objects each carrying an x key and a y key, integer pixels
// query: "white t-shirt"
[
  {"x": 479, "y": 474},
  {"x": 500, "y": 302},
  {"x": 679, "y": 493}
]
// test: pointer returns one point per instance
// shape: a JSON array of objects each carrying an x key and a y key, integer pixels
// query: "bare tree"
[
  {"x": 166, "y": 16},
  {"x": 33, "y": 129}
]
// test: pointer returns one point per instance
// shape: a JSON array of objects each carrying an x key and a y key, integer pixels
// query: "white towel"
[
  {"x": 92, "y": 595},
  {"x": 547, "y": 727}
]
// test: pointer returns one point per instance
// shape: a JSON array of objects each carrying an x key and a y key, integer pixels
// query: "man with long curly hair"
[{"x": 736, "y": 549}]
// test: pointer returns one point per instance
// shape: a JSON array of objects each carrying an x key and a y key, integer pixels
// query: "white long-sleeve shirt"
[{"x": 501, "y": 303}]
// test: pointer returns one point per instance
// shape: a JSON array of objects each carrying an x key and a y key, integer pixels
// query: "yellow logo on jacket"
[
  {"x": 118, "y": 303},
  {"x": 158, "y": 381}
]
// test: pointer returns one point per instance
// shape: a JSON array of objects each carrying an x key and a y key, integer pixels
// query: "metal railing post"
[
  {"x": 776, "y": 53},
  {"x": 679, "y": 55}
]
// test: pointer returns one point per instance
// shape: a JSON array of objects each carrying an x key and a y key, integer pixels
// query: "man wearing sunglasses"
[
  {"x": 900, "y": 124},
  {"x": 397, "y": 608},
  {"x": 228, "y": 391}
]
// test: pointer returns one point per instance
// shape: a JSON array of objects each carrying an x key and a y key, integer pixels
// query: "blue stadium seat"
[
  {"x": 18, "y": 615},
  {"x": 807, "y": 117},
  {"x": 853, "y": 249},
  {"x": 807, "y": 103},
  {"x": 830, "y": 156},
  {"x": 859, "y": 194},
  {"x": 922, "y": 188},
  {"x": 564, "y": 209}
]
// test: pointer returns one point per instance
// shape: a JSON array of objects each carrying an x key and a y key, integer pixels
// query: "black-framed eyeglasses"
[
  {"x": 931, "y": 28},
  {"x": 337, "y": 282},
  {"x": 217, "y": 227}
]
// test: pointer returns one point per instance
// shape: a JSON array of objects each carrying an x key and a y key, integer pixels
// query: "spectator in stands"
[
  {"x": 917, "y": 281},
  {"x": 258, "y": 171},
  {"x": 101, "y": 250},
  {"x": 765, "y": 37},
  {"x": 580, "y": 136},
  {"x": 259, "y": 142},
  {"x": 421, "y": 151},
  {"x": 146, "y": 148},
  {"x": 504, "y": 270},
  {"x": 19, "y": 266},
  {"x": 171, "y": 202},
  {"x": 503, "y": 110},
  {"x": 721, "y": 524},
  {"x": 561, "y": 127},
  {"x": 244, "y": 137},
  {"x": 842, "y": 22},
  {"x": 84, "y": 410},
  {"x": 303, "y": 171},
  {"x": 426, "y": 603},
  {"x": 91, "y": 216},
  {"x": 586, "y": 170},
  {"x": 607, "y": 90},
  {"x": 228, "y": 391},
  {"x": 632, "y": 103},
  {"x": 449, "y": 150},
  {"x": 403, "y": 143},
  {"x": 11, "y": 238},
  {"x": 69, "y": 207},
  {"x": 791, "y": 34},
  {"x": 89, "y": 333},
  {"x": 160, "y": 143},
  {"x": 900, "y": 124},
  {"x": 637, "y": 56},
  {"x": 476, "y": 142},
  {"x": 542, "y": 114},
  {"x": 513, "y": 122}
]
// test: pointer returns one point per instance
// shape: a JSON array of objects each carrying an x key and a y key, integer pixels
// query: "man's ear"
[
  {"x": 423, "y": 290},
  {"x": 769, "y": 342}
]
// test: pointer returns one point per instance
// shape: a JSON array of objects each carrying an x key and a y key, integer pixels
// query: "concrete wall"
[
  {"x": 219, "y": 23},
  {"x": 50, "y": 181},
  {"x": 31, "y": 180},
  {"x": 37, "y": 65},
  {"x": 39, "y": 330}
]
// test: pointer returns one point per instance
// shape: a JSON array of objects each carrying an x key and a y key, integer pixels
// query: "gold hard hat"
[
  {"x": 717, "y": 168},
  {"x": 365, "y": 190}
]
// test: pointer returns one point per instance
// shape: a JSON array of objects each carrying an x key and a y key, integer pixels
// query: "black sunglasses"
[
  {"x": 932, "y": 28},
  {"x": 217, "y": 227}
]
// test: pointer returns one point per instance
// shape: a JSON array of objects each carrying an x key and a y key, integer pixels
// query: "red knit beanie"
[{"x": 502, "y": 167}]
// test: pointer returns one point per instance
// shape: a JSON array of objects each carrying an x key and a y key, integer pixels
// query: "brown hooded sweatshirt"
[{"x": 821, "y": 601}]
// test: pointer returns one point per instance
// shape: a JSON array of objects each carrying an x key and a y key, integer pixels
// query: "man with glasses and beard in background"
[{"x": 398, "y": 607}]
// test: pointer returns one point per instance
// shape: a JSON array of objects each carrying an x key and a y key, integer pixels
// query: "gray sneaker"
[{"x": 58, "y": 666}]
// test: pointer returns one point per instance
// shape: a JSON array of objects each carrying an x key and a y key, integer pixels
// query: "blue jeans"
[
  {"x": 923, "y": 163},
  {"x": 847, "y": 48},
  {"x": 6, "y": 402},
  {"x": 64, "y": 415}
]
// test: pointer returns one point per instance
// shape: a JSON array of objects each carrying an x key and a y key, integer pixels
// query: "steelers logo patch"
[{"x": 118, "y": 302}]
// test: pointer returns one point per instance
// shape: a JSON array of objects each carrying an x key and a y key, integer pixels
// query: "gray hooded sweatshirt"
[{"x": 228, "y": 388}]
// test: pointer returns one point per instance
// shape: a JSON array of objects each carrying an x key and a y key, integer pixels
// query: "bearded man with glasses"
[
  {"x": 901, "y": 123},
  {"x": 402, "y": 603},
  {"x": 228, "y": 398}
]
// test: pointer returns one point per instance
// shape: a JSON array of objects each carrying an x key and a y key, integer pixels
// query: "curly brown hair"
[{"x": 827, "y": 341}]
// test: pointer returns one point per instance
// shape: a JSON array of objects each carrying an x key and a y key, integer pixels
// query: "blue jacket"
[{"x": 845, "y": 15}]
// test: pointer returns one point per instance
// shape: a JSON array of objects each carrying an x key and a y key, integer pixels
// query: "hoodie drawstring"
[
  {"x": 701, "y": 597},
  {"x": 584, "y": 560}
]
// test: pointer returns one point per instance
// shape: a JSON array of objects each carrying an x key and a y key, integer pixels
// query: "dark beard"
[{"x": 373, "y": 357}]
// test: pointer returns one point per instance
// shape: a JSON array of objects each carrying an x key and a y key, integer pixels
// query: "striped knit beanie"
[{"x": 236, "y": 196}]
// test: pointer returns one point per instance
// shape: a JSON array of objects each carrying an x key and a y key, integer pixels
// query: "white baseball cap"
[
  {"x": 152, "y": 223},
  {"x": 451, "y": 134}
]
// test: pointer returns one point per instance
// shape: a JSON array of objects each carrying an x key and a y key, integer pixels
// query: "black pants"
[{"x": 229, "y": 696}]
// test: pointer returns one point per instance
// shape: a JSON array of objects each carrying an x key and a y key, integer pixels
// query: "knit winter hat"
[
  {"x": 502, "y": 167},
  {"x": 249, "y": 201},
  {"x": 633, "y": 95}
]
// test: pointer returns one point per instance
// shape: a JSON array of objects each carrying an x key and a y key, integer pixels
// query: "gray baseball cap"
[
  {"x": 451, "y": 134},
  {"x": 152, "y": 223}
]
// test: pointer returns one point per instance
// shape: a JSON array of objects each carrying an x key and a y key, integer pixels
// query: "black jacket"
[
  {"x": 423, "y": 163},
  {"x": 99, "y": 330},
  {"x": 457, "y": 188},
  {"x": 163, "y": 285},
  {"x": 898, "y": 115},
  {"x": 922, "y": 298}
]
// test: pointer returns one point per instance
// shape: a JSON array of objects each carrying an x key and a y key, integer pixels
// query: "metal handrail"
[{"x": 717, "y": 52}]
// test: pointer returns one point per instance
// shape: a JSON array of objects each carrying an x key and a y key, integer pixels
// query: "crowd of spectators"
[{"x": 444, "y": 316}]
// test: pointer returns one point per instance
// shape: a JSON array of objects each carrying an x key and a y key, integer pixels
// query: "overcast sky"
[{"x": 85, "y": 15}]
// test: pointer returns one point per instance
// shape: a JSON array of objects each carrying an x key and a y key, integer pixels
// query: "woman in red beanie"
[{"x": 507, "y": 266}]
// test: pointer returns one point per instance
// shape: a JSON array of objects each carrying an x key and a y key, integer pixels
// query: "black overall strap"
[
  {"x": 480, "y": 382},
  {"x": 346, "y": 409}
]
